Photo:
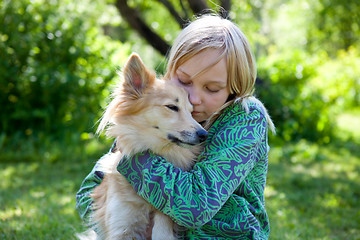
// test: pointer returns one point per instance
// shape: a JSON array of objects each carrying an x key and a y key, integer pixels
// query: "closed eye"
[
  {"x": 213, "y": 90},
  {"x": 184, "y": 83},
  {"x": 172, "y": 107}
]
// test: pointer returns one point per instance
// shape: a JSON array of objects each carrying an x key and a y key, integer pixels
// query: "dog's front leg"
[
  {"x": 127, "y": 214},
  {"x": 163, "y": 227}
]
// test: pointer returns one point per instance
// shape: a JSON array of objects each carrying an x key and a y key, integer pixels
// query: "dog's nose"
[{"x": 202, "y": 134}]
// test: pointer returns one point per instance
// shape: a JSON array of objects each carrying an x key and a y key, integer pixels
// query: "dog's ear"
[{"x": 137, "y": 77}]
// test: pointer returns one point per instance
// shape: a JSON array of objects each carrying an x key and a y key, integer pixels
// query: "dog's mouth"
[
  {"x": 178, "y": 141},
  {"x": 189, "y": 138}
]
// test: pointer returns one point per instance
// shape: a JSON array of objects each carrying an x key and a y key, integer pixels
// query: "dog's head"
[{"x": 150, "y": 112}]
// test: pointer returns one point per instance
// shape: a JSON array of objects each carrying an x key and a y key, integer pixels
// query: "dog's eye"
[{"x": 173, "y": 107}]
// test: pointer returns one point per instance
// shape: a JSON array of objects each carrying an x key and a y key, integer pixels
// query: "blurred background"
[{"x": 58, "y": 64}]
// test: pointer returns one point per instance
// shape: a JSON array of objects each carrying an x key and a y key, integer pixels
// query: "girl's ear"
[{"x": 137, "y": 77}]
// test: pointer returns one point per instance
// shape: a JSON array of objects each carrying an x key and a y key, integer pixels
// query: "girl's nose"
[{"x": 194, "y": 97}]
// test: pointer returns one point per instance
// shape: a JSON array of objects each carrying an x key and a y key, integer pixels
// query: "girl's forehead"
[
  {"x": 209, "y": 73},
  {"x": 201, "y": 63}
]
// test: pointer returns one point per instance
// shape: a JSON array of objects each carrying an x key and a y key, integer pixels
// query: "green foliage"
[
  {"x": 308, "y": 55},
  {"x": 336, "y": 25},
  {"x": 54, "y": 65},
  {"x": 338, "y": 79},
  {"x": 44, "y": 148},
  {"x": 297, "y": 109}
]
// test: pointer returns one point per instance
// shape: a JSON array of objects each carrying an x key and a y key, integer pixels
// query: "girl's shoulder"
[
  {"x": 243, "y": 109},
  {"x": 248, "y": 105}
]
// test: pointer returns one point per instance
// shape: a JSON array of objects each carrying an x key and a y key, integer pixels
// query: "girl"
[{"x": 223, "y": 196}]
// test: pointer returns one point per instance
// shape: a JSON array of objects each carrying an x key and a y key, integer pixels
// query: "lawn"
[{"x": 313, "y": 192}]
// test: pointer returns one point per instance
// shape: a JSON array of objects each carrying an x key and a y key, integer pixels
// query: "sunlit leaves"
[{"x": 54, "y": 64}]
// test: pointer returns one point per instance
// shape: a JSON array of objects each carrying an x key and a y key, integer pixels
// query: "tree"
[
  {"x": 133, "y": 16},
  {"x": 54, "y": 65},
  {"x": 278, "y": 30}
]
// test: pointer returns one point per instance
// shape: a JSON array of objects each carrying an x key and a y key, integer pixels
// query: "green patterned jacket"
[{"x": 223, "y": 196}]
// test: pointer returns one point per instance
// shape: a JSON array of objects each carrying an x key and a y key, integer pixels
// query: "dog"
[{"x": 146, "y": 113}]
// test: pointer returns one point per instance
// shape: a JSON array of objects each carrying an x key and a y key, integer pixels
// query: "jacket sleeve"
[
  {"x": 192, "y": 198},
  {"x": 83, "y": 196}
]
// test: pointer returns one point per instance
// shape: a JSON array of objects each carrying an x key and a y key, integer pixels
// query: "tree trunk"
[
  {"x": 134, "y": 20},
  {"x": 198, "y": 6},
  {"x": 132, "y": 16},
  {"x": 181, "y": 21}
]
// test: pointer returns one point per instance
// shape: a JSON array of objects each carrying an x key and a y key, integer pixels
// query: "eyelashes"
[
  {"x": 185, "y": 83},
  {"x": 212, "y": 91},
  {"x": 182, "y": 82},
  {"x": 172, "y": 107}
]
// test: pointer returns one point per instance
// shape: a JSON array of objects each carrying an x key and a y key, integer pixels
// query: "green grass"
[
  {"x": 313, "y": 192},
  {"x": 37, "y": 195},
  {"x": 37, "y": 200}
]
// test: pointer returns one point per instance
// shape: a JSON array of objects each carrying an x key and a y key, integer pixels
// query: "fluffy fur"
[{"x": 145, "y": 113}]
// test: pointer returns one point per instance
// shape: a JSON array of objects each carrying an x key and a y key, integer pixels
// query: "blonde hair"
[{"x": 215, "y": 32}]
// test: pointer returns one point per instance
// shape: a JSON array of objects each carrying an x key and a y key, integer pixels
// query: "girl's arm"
[
  {"x": 192, "y": 198},
  {"x": 83, "y": 197}
]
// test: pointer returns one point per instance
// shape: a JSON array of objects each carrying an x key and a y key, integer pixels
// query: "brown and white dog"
[{"x": 145, "y": 113}]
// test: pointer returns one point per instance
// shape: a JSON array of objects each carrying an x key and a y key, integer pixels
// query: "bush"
[
  {"x": 298, "y": 109},
  {"x": 55, "y": 64},
  {"x": 338, "y": 79}
]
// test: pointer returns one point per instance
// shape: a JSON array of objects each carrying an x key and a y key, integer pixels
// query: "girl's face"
[{"x": 208, "y": 91}]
